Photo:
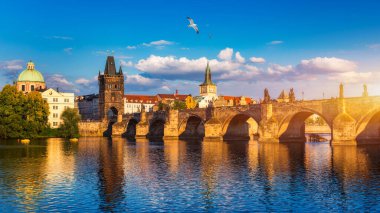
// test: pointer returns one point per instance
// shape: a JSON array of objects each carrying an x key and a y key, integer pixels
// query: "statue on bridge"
[
  {"x": 266, "y": 96},
  {"x": 292, "y": 96}
]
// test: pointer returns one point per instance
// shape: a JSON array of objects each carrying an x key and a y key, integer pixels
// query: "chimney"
[
  {"x": 57, "y": 89},
  {"x": 176, "y": 92}
]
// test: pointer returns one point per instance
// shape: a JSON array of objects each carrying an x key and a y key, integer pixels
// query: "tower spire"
[{"x": 208, "y": 75}]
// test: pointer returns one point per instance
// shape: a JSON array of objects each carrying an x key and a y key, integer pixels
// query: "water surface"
[{"x": 100, "y": 174}]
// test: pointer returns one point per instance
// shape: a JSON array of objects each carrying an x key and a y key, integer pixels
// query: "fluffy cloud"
[
  {"x": 60, "y": 81},
  {"x": 226, "y": 54},
  {"x": 239, "y": 58},
  {"x": 126, "y": 63},
  {"x": 10, "y": 69},
  {"x": 321, "y": 65},
  {"x": 257, "y": 60}
]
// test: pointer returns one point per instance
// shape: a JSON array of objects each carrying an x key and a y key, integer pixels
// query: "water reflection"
[{"x": 118, "y": 175}]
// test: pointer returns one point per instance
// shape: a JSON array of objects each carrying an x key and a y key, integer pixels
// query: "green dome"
[{"x": 30, "y": 74}]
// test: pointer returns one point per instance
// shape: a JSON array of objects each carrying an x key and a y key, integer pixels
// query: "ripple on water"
[{"x": 117, "y": 175}]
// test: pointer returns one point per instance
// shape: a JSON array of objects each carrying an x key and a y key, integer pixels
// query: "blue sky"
[{"x": 309, "y": 45}]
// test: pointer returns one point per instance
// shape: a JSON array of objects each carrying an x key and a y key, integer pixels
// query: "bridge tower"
[{"x": 111, "y": 90}]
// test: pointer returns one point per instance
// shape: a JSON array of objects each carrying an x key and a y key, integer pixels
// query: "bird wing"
[
  {"x": 190, "y": 20},
  {"x": 196, "y": 28}
]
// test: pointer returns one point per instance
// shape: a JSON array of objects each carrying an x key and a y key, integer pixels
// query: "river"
[{"x": 100, "y": 174}]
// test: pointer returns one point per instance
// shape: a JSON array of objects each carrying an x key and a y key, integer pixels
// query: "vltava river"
[{"x": 99, "y": 174}]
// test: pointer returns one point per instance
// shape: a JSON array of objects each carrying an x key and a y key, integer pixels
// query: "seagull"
[{"x": 194, "y": 26}]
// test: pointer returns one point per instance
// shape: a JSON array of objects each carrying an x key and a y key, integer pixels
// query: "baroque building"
[
  {"x": 58, "y": 102},
  {"x": 111, "y": 91},
  {"x": 88, "y": 106},
  {"x": 30, "y": 79}
]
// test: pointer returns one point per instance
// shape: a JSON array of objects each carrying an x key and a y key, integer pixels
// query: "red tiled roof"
[
  {"x": 141, "y": 99},
  {"x": 237, "y": 98},
  {"x": 173, "y": 96}
]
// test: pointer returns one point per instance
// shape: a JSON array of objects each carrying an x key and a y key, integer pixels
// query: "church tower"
[
  {"x": 208, "y": 88},
  {"x": 111, "y": 90}
]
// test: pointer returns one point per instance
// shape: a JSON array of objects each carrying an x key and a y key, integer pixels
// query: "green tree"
[
  {"x": 36, "y": 112},
  {"x": 22, "y": 116},
  {"x": 69, "y": 128},
  {"x": 179, "y": 105},
  {"x": 11, "y": 112}
]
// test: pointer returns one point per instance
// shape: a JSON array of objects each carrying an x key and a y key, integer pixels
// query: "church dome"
[{"x": 30, "y": 74}]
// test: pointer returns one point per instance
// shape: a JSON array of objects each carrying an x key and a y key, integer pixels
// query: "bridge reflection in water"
[{"x": 120, "y": 175}]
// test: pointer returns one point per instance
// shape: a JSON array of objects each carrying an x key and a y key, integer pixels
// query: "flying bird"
[{"x": 193, "y": 25}]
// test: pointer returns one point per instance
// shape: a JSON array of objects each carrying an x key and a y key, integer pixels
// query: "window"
[
  {"x": 66, "y": 107},
  {"x": 32, "y": 87},
  {"x": 55, "y": 115},
  {"x": 23, "y": 87},
  {"x": 55, "y": 107},
  {"x": 66, "y": 100},
  {"x": 55, "y": 123},
  {"x": 55, "y": 99}
]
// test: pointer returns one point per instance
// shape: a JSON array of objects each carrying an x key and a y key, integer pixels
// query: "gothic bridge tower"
[{"x": 111, "y": 92}]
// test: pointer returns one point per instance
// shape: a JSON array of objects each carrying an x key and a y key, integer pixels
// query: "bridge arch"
[
  {"x": 368, "y": 128},
  {"x": 241, "y": 126},
  {"x": 292, "y": 127},
  {"x": 156, "y": 128},
  {"x": 131, "y": 128},
  {"x": 191, "y": 127},
  {"x": 111, "y": 119}
]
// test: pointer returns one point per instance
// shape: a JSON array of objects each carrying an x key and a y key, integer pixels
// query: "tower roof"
[
  {"x": 110, "y": 68},
  {"x": 208, "y": 80},
  {"x": 30, "y": 74}
]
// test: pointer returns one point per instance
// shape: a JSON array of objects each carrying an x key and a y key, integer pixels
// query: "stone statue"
[
  {"x": 365, "y": 92},
  {"x": 341, "y": 91},
  {"x": 266, "y": 96},
  {"x": 292, "y": 96}
]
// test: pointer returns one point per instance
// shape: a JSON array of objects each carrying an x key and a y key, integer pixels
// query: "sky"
[{"x": 311, "y": 46}]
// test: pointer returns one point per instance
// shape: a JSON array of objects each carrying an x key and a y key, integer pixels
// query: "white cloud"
[
  {"x": 126, "y": 63},
  {"x": 353, "y": 77},
  {"x": 12, "y": 65},
  {"x": 59, "y": 81},
  {"x": 165, "y": 87},
  {"x": 68, "y": 50},
  {"x": 275, "y": 42},
  {"x": 257, "y": 60},
  {"x": 83, "y": 81},
  {"x": 131, "y": 47},
  {"x": 60, "y": 37},
  {"x": 276, "y": 69},
  {"x": 123, "y": 57},
  {"x": 226, "y": 54},
  {"x": 239, "y": 58},
  {"x": 323, "y": 65},
  {"x": 158, "y": 43}
]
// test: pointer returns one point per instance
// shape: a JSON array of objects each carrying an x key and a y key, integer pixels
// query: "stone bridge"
[{"x": 351, "y": 121}]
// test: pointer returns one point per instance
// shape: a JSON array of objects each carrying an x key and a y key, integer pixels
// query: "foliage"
[
  {"x": 69, "y": 128},
  {"x": 179, "y": 105},
  {"x": 22, "y": 116},
  {"x": 315, "y": 120}
]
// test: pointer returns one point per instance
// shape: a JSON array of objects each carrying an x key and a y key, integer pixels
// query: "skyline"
[{"x": 285, "y": 45}]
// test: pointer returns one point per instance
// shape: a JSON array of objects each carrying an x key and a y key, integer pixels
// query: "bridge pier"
[
  {"x": 171, "y": 131},
  {"x": 213, "y": 130},
  {"x": 118, "y": 129},
  {"x": 344, "y": 130},
  {"x": 142, "y": 127},
  {"x": 268, "y": 127}
]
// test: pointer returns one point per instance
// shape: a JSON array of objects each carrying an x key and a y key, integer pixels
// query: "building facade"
[
  {"x": 111, "y": 91},
  {"x": 133, "y": 103},
  {"x": 58, "y": 102},
  {"x": 30, "y": 79},
  {"x": 88, "y": 106}
]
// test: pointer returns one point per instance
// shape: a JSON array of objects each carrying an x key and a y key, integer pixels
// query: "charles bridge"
[{"x": 352, "y": 121}]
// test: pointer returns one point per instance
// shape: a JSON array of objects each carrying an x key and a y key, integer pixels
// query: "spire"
[
  {"x": 365, "y": 91},
  {"x": 120, "y": 71},
  {"x": 208, "y": 75},
  {"x": 110, "y": 68}
]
